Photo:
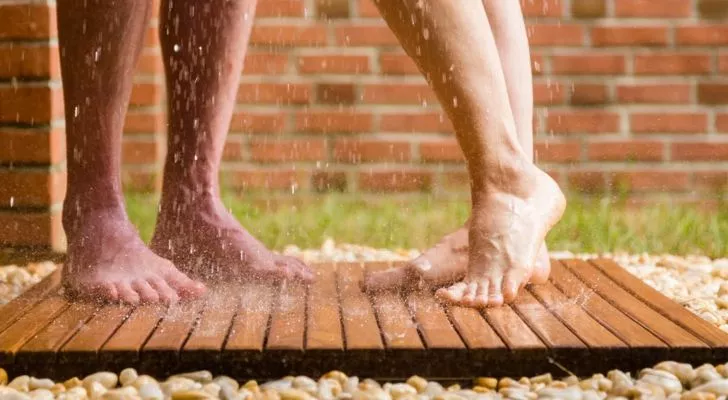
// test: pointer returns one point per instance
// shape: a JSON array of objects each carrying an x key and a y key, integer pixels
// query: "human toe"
[
  {"x": 495, "y": 294},
  {"x": 183, "y": 285},
  {"x": 454, "y": 293},
  {"x": 126, "y": 293},
  {"x": 146, "y": 292},
  {"x": 167, "y": 295},
  {"x": 514, "y": 280}
]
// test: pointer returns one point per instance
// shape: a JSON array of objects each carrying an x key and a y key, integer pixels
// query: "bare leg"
[
  {"x": 514, "y": 203},
  {"x": 203, "y": 46},
  {"x": 446, "y": 262},
  {"x": 99, "y": 43}
]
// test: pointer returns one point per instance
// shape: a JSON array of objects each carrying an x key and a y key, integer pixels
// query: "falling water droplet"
[
  {"x": 176, "y": 48},
  {"x": 455, "y": 101},
  {"x": 196, "y": 123},
  {"x": 75, "y": 111},
  {"x": 195, "y": 157},
  {"x": 12, "y": 201},
  {"x": 245, "y": 16},
  {"x": 426, "y": 33},
  {"x": 96, "y": 54}
]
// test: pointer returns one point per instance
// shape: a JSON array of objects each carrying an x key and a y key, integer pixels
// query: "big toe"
[
  {"x": 542, "y": 267},
  {"x": 453, "y": 294},
  {"x": 183, "y": 285},
  {"x": 514, "y": 280}
]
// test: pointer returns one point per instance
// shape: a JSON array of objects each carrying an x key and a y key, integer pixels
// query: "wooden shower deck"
[{"x": 591, "y": 316}]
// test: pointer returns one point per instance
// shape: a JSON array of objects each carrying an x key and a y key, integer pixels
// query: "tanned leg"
[
  {"x": 514, "y": 203},
  {"x": 100, "y": 42},
  {"x": 203, "y": 47},
  {"x": 447, "y": 261}
]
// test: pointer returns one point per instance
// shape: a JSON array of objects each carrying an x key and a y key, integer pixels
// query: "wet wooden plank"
[
  {"x": 395, "y": 322},
  {"x": 646, "y": 316},
  {"x": 474, "y": 329},
  {"x": 88, "y": 340},
  {"x": 251, "y": 321},
  {"x": 621, "y": 325},
  {"x": 323, "y": 331},
  {"x": 23, "y": 303},
  {"x": 215, "y": 321},
  {"x": 516, "y": 334},
  {"x": 13, "y": 338},
  {"x": 126, "y": 343},
  {"x": 552, "y": 332},
  {"x": 662, "y": 304},
  {"x": 46, "y": 343},
  {"x": 589, "y": 330},
  {"x": 173, "y": 330},
  {"x": 434, "y": 324},
  {"x": 288, "y": 320},
  {"x": 360, "y": 324}
]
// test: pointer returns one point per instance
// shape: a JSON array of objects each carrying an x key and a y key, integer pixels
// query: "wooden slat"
[
  {"x": 647, "y": 317},
  {"x": 174, "y": 328},
  {"x": 288, "y": 320},
  {"x": 324, "y": 320},
  {"x": 126, "y": 343},
  {"x": 622, "y": 326},
  {"x": 20, "y": 306},
  {"x": 660, "y": 303},
  {"x": 49, "y": 340},
  {"x": 215, "y": 321},
  {"x": 551, "y": 331},
  {"x": 434, "y": 324},
  {"x": 13, "y": 338},
  {"x": 360, "y": 324},
  {"x": 87, "y": 342},
  {"x": 250, "y": 323},
  {"x": 474, "y": 329},
  {"x": 591, "y": 332},
  {"x": 513, "y": 330}
]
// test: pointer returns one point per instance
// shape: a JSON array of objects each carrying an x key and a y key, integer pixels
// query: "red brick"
[
  {"x": 32, "y": 229},
  {"x": 367, "y": 9},
  {"x": 632, "y": 150},
  {"x": 629, "y": 36},
  {"x": 264, "y": 150},
  {"x": 279, "y": 8},
  {"x": 365, "y": 35},
  {"x": 548, "y": 93},
  {"x": 555, "y": 35},
  {"x": 589, "y": 94},
  {"x": 30, "y": 104},
  {"x": 672, "y": 63},
  {"x": 257, "y": 63},
  {"x": 713, "y": 9},
  {"x": 588, "y": 64},
  {"x": 651, "y": 180},
  {"x": 143, "y": 121},
  {"x": 19, "y": 60},
  {"x": 32, "y": 146},
  {"x": 702, "y": 35},
  {"x": 27, "y": 21},
  {"x": 31, "y": 187},
  {"x": 288, "y": 35},
  {"x": 395, "y": 63},
  {"x": 274, "y": 93},
  {"x": 329, "y": 9},
  {"x": 699, "y": 151},
  {"x": 455, "y": 180},
  {"x": 150, "y": 62},
  {"x": 325, "y": 181},
  {"x": 256, "y": 179},
  {"x": 441, "y": 151},
  {"x": 542, "y": 8},
  {"x": 261, "y": 123},
  {"x": 390, "y": 93},
  {"x": 146, "y": 94},
  {"x": 713, "y": 93},
  {"x": 721, "y": 122},
  {"x": 557, "y": 152},
  {"x": 587, "y": 181},
  {"x": 333, "y": 122},
  {"x": 668, "y": 123},
  {"x": 416, "y": 122},
  {"x": 589, "y": 9},
  {"x": 713, "y": 180},
  {"x": 537, "y": 64},
  {"x": 395, "y": 181},
  {"x": 723, "y": 63},
  {"x": 357, "y": 151},
  {"x": 335, "y": 93},
  {"x": 582, "y": 122},
  {"x": 141, "y": 151},
  {"x": 653, "y": 8},
  {"x": 143, "y": 181},
  {"x": 333, "y": 64},
  {"x": 234, "y": 149},
  {"x": 151, "y": 37},
  {"x": 677, "y": 93}
]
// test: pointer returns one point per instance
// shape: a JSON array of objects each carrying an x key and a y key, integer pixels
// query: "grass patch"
[{"x": 418, "y": 221}]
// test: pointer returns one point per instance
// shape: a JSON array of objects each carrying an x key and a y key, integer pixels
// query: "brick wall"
[{"x": 631, "y": 95}]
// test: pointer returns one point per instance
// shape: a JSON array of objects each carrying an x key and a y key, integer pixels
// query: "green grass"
[{"x": 418, "y": 221}]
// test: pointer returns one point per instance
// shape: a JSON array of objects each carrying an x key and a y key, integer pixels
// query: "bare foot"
[
  {"x": 107, "y": 261},
  {"x": 442, "y": 264},
  {"x": 205, "y": 240},
  {"x": 507, "y": 230}
]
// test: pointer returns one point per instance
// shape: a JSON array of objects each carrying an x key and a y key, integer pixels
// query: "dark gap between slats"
[{"x": 341, "y": 308}]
